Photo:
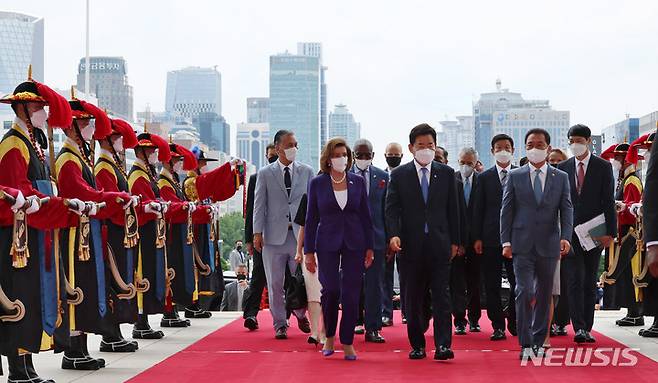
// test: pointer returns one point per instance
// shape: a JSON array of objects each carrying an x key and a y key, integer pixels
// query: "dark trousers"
[
  {"x": 582, "y": 269},
  {"x": 561, "y": 314},
  {"x": 387, "y": 288},
  {"x": 426, "y": 272},
  {"x": 373, "y": 292},
  {"x": 465, "y": 288},
  {"x": 492, "y": 266},
  {"x": 341, "y": 276},
  {"x": 254, "y": 293}
]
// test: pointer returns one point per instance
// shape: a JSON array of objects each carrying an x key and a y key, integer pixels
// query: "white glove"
[
  {"x": 191, "y": 207},
  {"x": 93, "y": 208},
  {"x": 35, "y": 205},
  {"x": 636, "y": 209},
  {"x": 76, "y": 206},
  {"x": 152, "y": 207},
  {"x": 134, "y": 201},
  {"x": 235, "y": 162},
  {"x": 620, "y": 206},
  {"x": 20, "y": 201}
]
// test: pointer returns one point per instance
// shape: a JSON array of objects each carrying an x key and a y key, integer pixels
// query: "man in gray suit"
[
  {"x": 234, "y": 293},
  {"x": 279, "y": 189},
  {"x": 536, "y": 223}
]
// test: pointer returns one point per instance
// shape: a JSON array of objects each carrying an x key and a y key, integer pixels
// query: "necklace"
[{"x": 340, "y": 181}]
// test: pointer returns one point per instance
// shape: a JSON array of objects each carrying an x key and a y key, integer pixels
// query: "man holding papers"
[{"x": 592, "y": 195}]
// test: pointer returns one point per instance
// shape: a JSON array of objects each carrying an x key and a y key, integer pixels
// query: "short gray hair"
[
  {"x": 363, "y": 141},
  {"x": 469, "y": 150}
]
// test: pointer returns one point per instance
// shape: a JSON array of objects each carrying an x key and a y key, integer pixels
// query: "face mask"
[
  {"x": 38, "y": 118},
  {"x": 178, "y": 167},
  {"x": 616, "y": 165},
  {"x": 273, "y": 159},
  {"x": 153, "y": 158},
  {"x": 424, "y": 156},
  {"x": 118, "y": 145},
  {"x": 393, "y": 162},
  {"x": 554, "y": 165},
  {"x": 290, "y": 153},
  {"x": 536, "y": 156},
  {"x": 241, "y": 277},
  {"x": 203, "y": 169},
  {"x": 466, "y": 170},
  {"x": 578, "y": 149},
  {"x": 503, "y": 156},
  {"x": 87, "y": 132},
  {"x": 339, "y": 164},
  {"x": 363, "y": 164}
]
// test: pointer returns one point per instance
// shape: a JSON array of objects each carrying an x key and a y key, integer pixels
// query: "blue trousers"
[
  {"x": 373, "y": 292},
  {"x": 341, "y": 276}
]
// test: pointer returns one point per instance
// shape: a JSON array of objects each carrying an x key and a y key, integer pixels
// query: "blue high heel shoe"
[
  {"x": 326, "y": 353},
  {"x": 350, "y": 357}
]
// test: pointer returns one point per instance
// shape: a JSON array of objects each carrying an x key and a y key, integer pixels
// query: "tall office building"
[
  {"x": 258, "y": 110},
  {"x": 194, "y": 90},
  {"x": 214, "y": 131},
  {"x": 626, "y": 130},
  {"x": 253, "y": 138},
  {"x": 457, "y": 135},
  {"x": 295, "y": 102},
  {"x": 108, "y": 80},
  {"x": 507, "y": 112},
  {"x": 315, "y": 50},
  {"x": 342, "y": 124},
  {"x": 21, "y": 44}
]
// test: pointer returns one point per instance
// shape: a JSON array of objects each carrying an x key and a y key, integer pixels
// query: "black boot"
[
  {"x": 195, "y": 311},
  {"x": 142, "y": 329},
  {"x": 21, "y": 369},
  {"x": 77, "y": 357},
  {"x": 117, "y": 343},
  {"x": 171, "y": 319},
  {"x": 651, "y": 332}
]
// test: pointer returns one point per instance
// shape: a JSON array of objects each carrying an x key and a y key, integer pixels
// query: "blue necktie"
[
  {"x": 537, "y": 186},
  {"x": 425, "y": 188},
  {"x": 467, "y": 191}
]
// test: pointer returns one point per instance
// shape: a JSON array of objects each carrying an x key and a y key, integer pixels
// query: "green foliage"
[{"x": 231, "y": 228}]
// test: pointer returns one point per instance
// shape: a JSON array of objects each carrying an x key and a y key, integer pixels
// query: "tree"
[{"x": 231, "y": 229}]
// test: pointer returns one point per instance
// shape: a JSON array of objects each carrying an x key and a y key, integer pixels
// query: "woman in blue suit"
[{"x": 339, "y": 230}]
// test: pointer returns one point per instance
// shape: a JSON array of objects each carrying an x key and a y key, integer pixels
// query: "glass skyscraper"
[
  {"x": 194, "y": 90},
  {"x": 295, "y": 102},
  {"x": 342, "y": 124},
  {"x": 315, "y": 50},
  {"x": 258, "y": 110},
  {"x": 108, "y": 80}
]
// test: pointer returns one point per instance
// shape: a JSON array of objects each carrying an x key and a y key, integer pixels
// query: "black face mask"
[
  {"x": 393, "y": 162},
  {"x": 272, "y": 159},
  {"x": 239, "y": 248},
  {"x": 554, "y": 165},
  {"x": 241, "y": 277}
]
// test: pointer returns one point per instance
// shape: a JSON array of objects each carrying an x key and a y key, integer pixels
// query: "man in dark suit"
[
  {"x": 486, "y": 232},
  {"x": 650, "y": 211},
  {"x": 376, "y": 185},
  {"x": 465, "y": 267},
  {"x": 592, "y": 194},
  {"x": 258, "y": 281},
  {"x": 422, "y": 221}
]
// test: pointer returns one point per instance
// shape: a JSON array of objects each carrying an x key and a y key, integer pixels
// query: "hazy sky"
[{"x": 394, "y": 63}]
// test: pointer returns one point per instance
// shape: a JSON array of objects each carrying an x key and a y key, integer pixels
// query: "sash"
[
  {"x": 47, "y": 271},
  {"x": 97, "y": 240},
  {"x": 188, "y": 262}
]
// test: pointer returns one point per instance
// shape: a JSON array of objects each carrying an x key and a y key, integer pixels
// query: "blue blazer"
[
  {"x": 377, "y": 198},
  {"x": 526, "y": 224},
  {"x": 328, "y": 228}
]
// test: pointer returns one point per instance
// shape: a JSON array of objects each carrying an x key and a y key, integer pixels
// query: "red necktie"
[{"x": 581, "y": 176}]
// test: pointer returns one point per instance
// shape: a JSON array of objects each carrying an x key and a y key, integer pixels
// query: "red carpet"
[{"x": 233, "y": 354}]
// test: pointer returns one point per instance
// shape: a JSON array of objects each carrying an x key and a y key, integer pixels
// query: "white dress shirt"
[
  {"x": 500, "y": 169},
  {"x": 585, "y": 163},
  {"x": 283, "y": 171},
  {"x": 542, "y": 175},
  {"x": 420, "y": 173},
  {"x": 341, "y": 198}
]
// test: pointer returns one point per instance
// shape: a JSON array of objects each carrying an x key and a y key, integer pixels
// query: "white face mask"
[
  {"x": 118, "y": 145},
  {"x": 363, "y": 164},
  {"x": 578, "y": 149},
  {"x": 291, "y": 153},
  {"x": 178, "y": 167},
  {"x": 153, "y": 158},
  {"x": 38, "y": 118},
  {"x": 536, "y": 156},
  {"x": 503, "y": 156},
  {"x": 466, "y": 171},
  {"x": 87, "y": 132},
  {"x": 616, "y": 165},
  {"x": 424, "y": 156},
  {"x": 339, "y": 164}
]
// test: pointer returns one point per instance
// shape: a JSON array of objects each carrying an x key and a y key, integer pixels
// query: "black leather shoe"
[
  {"x": 580, "y": 337},
  {"x": 443, "y": 353},
  {"x": 251, "y": 323},
  {"x": 304, "y": 325},
  {"x": 80, "y": 362},
  {"x": 119, "y": 345},
  {"x": 22, "y": 370},
  {"x": 538, "y": 351},
  {"x": 498, "y": 334},
  {"x": 630, "y": 321},
  {"x": 148, "y": 333},
  {"x": 417, "y": 353},
  {"x": 561, "y": 331},
  {"x": 387, "y": 322},
  {"x": 651, "y": 332},
  {"x": 460, "y": 330},
  {"x": 281, "y": 333},
  {"x": 173, "y": 322},
  {"x": 474, "y": 327},
  {"x": 197, "y": 314},
  {"x": 374, "y": 337},
  {"x": 589, "y": 338}
]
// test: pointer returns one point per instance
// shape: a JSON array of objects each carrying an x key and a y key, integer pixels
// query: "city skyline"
[{"x": 412, "y": 64}]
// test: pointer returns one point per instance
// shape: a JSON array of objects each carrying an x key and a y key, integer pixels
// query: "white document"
[{"x": 584, "y": 232}]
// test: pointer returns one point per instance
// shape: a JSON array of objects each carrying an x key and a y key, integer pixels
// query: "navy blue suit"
[
  {"x": 486, "y": 228},
  {"x": 340, "y": 238},
  {"x": 374, "y": 276}
]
